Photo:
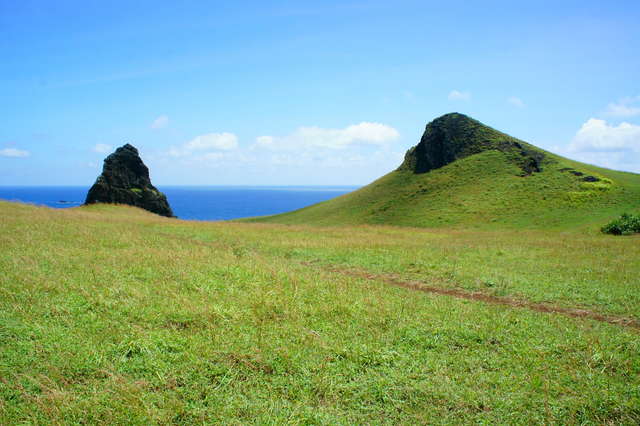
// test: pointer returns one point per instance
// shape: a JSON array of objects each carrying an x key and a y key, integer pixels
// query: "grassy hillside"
[
  {"x": 484, "y": 187},
  {"x": 113, "y": 315}
]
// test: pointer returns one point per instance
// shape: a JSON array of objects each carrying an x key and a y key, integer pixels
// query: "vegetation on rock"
[
  {"x": 455, "y": 136},
  {"x": 125, "y": 180}
]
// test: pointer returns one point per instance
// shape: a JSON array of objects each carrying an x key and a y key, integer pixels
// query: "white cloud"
[
  {"x": 516, "y": 102},
  {"x": 212, "y": 156},
  {"x": 102, "y": 148},
  {"x": 222, "y": 141},
  {"x": 160, "y": 122},
  {"x": 364, "y": 133},
  {"x": 606, "y": 145},
  {"x": 13, "y": 152},
  {"x": 264, "y": 142},
  {"x": 310, "y": 155},
  {"x": 626, "y": 107},
  {"x": 203, "y": 143},
  {"x": 598, "y": 135},
  {"x": 456, "y": 95}
]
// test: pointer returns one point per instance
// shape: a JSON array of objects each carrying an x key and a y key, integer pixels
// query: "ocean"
[{"x": 195, "y": 202}]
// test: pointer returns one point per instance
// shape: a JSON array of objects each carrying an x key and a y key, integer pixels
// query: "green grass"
[{"x": 112, "y": 315}]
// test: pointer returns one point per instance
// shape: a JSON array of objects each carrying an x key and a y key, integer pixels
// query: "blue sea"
[{"x": 194, "y": 202}]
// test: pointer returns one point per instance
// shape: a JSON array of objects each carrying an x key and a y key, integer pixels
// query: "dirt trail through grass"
[
  {"x": 421, "y": 286},
  {"x": 487, "y": 298}
]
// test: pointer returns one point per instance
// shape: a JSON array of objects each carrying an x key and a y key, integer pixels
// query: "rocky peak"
[
  {"x": 125, "y": 180},
  {"x": 454, "y": 136}
]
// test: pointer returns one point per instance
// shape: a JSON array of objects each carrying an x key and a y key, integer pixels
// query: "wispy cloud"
[
  {"x": 365, "y": 133},
  {"x": 102, "y": 148},
  {"x": 223, "y": 141},
  {"x": 457, "y": 95},
  {"x": 108, "y": 78},
  {"x": 625, "y": 107},
  {"x": 516, "y": 102},
  {"x": 160, "y": 122},
  {"x": 14, "y": 152},
  {"x": 204, "y": 143},
  {"x": 409, "y": 95}
]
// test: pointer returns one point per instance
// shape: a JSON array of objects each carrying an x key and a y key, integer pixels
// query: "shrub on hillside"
[{"x": 626, "y": 224}]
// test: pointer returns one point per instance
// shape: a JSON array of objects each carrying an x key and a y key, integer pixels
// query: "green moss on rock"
[
  {"x": 455, "y": 136},
  {"x": 125, "y": 180}
]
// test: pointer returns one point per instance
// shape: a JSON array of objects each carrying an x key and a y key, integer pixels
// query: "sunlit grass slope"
[
  {"x": 484, "y": 189},
  {"x": 113, "y": 315}
]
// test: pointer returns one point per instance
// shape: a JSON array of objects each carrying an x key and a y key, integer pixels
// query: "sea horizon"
[{"x": 194, "y": 202}]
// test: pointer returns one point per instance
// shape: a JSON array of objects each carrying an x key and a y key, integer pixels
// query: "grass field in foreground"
[{"x": 110, "y": 314}]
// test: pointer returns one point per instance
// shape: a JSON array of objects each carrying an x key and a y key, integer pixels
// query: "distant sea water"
[{"x": 195, "y": 202}]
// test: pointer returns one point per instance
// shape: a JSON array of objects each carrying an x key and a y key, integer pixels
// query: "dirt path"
[
  {"x": 392, "y": 279},
  {"x": 487, "y": 298}
]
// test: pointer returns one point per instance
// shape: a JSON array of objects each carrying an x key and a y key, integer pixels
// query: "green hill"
[{"x": 463, "y": 173}]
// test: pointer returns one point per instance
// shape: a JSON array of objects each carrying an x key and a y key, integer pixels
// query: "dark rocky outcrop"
[
  {"x": 125, "y": 180},
  {"x": 455, "y": 136}
]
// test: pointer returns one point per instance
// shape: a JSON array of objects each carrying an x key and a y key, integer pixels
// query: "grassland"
[{"x": 110, "y": 314}]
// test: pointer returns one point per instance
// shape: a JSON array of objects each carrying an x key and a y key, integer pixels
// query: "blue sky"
[{"x": 306, "y": 93}]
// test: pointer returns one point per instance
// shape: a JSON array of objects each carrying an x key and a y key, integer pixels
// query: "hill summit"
[
  {"x": 463, "y": 173},
  {"x": 125, "y": 180},
  {"x": 455, "y": 136}
]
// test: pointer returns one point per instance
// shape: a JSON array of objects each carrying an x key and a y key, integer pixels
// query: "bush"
[{"x": 626, "y": 224}]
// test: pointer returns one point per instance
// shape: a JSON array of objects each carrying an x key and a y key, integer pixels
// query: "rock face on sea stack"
[
  {"x": 455, "y": 136},
  {"x": 125, "y": 180}
]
